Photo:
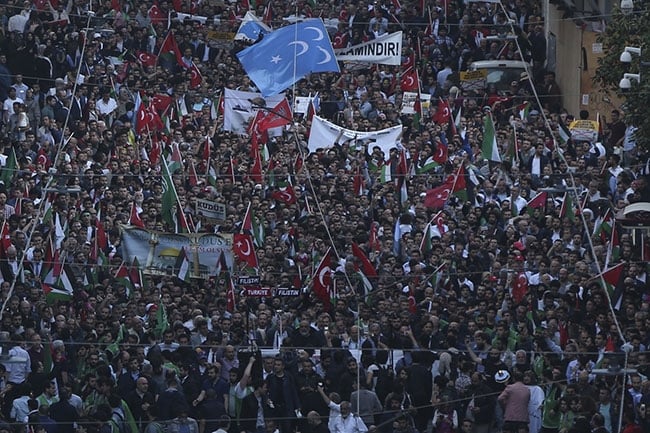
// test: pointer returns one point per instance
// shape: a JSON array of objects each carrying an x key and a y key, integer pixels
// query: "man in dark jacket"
[
  {"x": 284, "y": 395},
  {"x": 251, "y": 418},
  {"x": 64, "y": 413},
  {"x": 139, "y": 401},
  {"x": 481, "y": 405}
]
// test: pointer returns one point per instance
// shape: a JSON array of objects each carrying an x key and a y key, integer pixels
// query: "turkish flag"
[
  {"x": 155, "y": 14},
  {"x": 519, "y": 288},
  {"x": 147, "y": 59},
  {"x": 256, "y": 169},
  {"x": 409, "y": 81},
  {"x": 142, "y": 119},
  {"x": 195, "y": 78},
  {"x": 340, "y": 40},
  {"x": 441, "y": 156},
  {"x": 285, "y": 195},
  {"x": 161, "y": 102},
  {"x": 409, "y": 61},
  {"x": 154, "y": 120},
  {"x": 322, "y": 279},
  {"x": 437, "y": 197},
  {"x": 443, "y": 113},
  {"x": 135, "y": 219},
  {"x": 279, "y": 115},
  {"x": 43, "y": 159},
  {"x": 366, "y": 265},
  {"x": 242, "y": 247}
]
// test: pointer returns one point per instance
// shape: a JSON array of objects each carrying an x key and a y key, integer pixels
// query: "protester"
[{"x": 470, "y": 247}]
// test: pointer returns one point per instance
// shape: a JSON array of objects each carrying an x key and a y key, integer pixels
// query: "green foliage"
[{"x": 633, "y": 31}]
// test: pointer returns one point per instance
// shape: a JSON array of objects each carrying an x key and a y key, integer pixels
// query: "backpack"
[{"x": 384, "y": 382}]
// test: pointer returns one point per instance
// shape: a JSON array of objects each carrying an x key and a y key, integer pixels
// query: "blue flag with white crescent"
[
  {"x": 251, "y": 27},
  {"x": 287, "y": 55}
]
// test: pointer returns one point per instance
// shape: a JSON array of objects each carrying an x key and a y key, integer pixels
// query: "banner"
[
  {"x": 408, "y": 103},
  {"x": 323, "y": 134},
  {"x": 240, "y": 108},
  {"x": 210, "y": 209},
  {"x": 584, "y": 130},
  {"x": 159, "y": 252},
  {"x": 473, "y": 80},
  {"x": 301, "y": 104},
  {"x": 385, "y": 50}
]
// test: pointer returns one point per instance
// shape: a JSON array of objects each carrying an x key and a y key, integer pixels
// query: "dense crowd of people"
[{"x": 483, "y": 312}]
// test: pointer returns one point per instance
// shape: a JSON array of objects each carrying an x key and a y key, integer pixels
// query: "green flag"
[
  {"x": 161, "y": 321},
  {"x": 490, "y": 148},
  {"x": 10, "y": 168},
  {"x": 169, "y": 198}
]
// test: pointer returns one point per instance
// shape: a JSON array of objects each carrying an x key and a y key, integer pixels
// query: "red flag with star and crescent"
[
  {"x": 161, "y": 102},
  {"x": 322, "y": 279},
  {"x": 154, "y": 121},
  {"x": 437, "y": 197},
  {"x": 519, "y": 288},
  {"x": 147, "y": 59},
  {"x": 443, "y": 113},
  {"x": 286, "y": 195},
  {"x": 409, "y": 81},
  {"x": 142, "y": 122},
  {"x": 242, "y": 247},
  {"x": 196, "y": 78},
  {"x": 279, "y": 115},
  {"x": 442, "y": 153},
  {"x": 155, "y": 14}
]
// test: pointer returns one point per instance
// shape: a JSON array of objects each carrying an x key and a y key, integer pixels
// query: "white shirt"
[
  {"x": 106, "y": 107},
  {"x": 335, "y": 412},
  {"x": 8, "y": 106},
  {"x": 349, "y": 424},
  {"x": 17, "y": 23},
  {"x": 21, "y": 90},
  {"x": 20, "y": 366}
]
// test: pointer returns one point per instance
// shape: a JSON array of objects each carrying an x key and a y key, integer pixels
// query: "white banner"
[
  {"x": 211, "y": 209},
  {"x": 239, "y": 108},
  {"x": 408, "y": 102},
  {"x": 324, "y": 133},
  {"x": 386, "y": 50}
]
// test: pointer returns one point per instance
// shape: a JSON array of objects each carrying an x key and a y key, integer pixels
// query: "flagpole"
[{"x": 515, "y": 147}]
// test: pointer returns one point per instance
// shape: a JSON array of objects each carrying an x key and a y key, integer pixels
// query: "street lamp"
[
  {"x": 626, "y": 83},
  {"x": 627, "y": 6},
  {"x": 626, "y": 55}
]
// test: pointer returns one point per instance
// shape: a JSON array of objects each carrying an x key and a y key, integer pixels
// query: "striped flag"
[
  {"x": 613, "y": 279},
  {"x": 567, "y": 211},
  {"x": 564, "y": 132}
]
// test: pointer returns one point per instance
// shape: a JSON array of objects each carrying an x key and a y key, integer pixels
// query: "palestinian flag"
[
  {"x": 567, "y": 211},
  {"x": 564, "y": 132},
  {"x": 54, "y": 293},
  {"x": 613, "y": 279},
  {"x": 537, "y": 202}
]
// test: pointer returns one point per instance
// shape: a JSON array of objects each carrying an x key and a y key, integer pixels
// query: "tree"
[{"x": 633, "y": 31}]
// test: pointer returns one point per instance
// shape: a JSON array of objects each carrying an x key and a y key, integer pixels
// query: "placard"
[{"x": 210, "y": 209}]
